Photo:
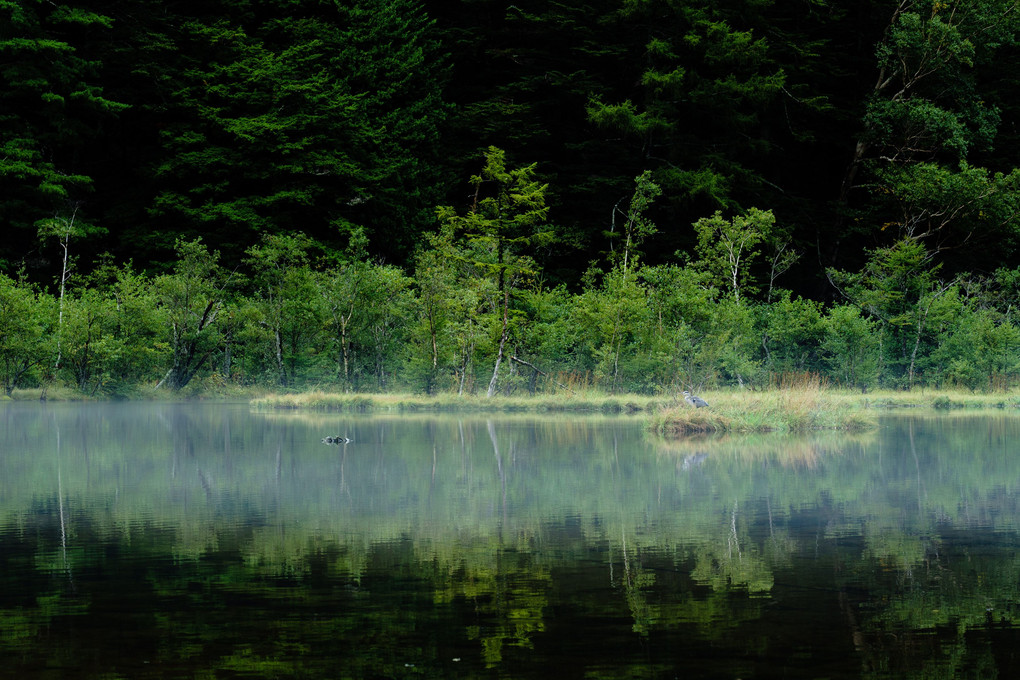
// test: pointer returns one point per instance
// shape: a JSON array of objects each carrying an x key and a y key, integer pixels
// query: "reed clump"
[{"x": 785, "y": 409}]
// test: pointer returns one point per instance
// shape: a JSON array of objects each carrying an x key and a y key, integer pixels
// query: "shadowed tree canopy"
[
  {"x": 854, "y": 125},
  {"x": 288, "y": 116},
  {"x": 52, "y": 103}
]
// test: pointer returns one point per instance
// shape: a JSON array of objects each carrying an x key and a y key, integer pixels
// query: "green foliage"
[
  {"x": 89, "y": 343},
  {"x": 495, "y": 238},
  {"x": 458, "y": 322},
  {"x": 979, "y": 350},
  {"x": 728, "y": 348},
  {"x": 924, "y": 99},
  {"x": 951, "y": 206},
  {"x": 613, "y": 319},
  {"x": 288, "y": 307},
  {"x": 549, "y": 337},
  {"x": 344, "y": 288},
  {"x": 389, "y": 307},
  {"x": 505, "y": 222},
  {"x": 926, "y": 116},
  {"x": 111, "y": 341},
  {"x": 791, "y": 334},
  {"x": 699, "y": 337},
  {"x": 851, "y": 346},
  {"x": 190, "y": 301},
  {"x": 308, "y": 144},
  {"x": 509, "y": 210},
  {"x": 27, "y": 320},
  {"x": 364, "y": 325},
  {"x": 52, "y": 103},
  {"x": 682, "y": 304},
  {"x": 63, "y": 229},
  {"x": 727, "y": 248},
  {"x": 432, "y": 345},
  {"x": 901, "y": 290},
  {"x": 303, "y": 119},
  {"x": 636, "y": 225},
  {"x": 703, "y": 64}
]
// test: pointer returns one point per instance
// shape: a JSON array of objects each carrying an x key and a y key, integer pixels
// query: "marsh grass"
[
  {"x": 785, "y": 409},
  {"x": 792, "y": 403},
  {"x": 809, "y": 405},
  {"x": 789, "y": 406},
  {"x": 319, "y": 400}
]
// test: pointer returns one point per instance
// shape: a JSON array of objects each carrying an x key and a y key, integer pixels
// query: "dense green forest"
[{"x": 487, "y": 197}]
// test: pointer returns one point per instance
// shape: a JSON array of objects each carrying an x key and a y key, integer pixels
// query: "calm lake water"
[{"x": 206, "y": 541}]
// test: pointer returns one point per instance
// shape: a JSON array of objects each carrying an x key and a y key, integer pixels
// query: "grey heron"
[{"x": 696, "y": 402}]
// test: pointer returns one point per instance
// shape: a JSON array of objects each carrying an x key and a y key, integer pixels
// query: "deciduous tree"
[
  {"x": 287, "y": 300},
  {"x": 726, "y": 248},
  {"x": 191, "y": 299},
  {"x": 26, "y": 324}
]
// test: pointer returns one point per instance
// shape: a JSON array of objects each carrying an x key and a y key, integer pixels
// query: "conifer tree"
[
  {"x": 505, "y": 223},
  {"x": 52, "y": 103},
  {"x": 297, "y": 118}
]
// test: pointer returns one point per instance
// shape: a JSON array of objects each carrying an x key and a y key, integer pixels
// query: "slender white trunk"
[
  {"x": 279, "y": 357},
  {"x": 502, "y": 344},
  {"x": 495, "y": 370},
  {"x": 65, "y": 243},
  {"x": 63, "y": 284}
]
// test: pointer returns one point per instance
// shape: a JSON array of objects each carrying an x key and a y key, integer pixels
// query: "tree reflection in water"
[{"x": 147, "y": 540}]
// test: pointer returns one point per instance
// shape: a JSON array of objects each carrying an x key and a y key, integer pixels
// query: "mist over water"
[{"x": 205, "y": 540}]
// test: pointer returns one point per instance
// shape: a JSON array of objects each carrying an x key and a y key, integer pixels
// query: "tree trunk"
[
  {"x": 279, "y": 357},
  {"x": 345, "y": 351},
  {"x": 466, "y": 357},
  {"x": 228, "y": 346},
  {"x": 63, "y": 283},
  {"x": 499, "y": 360},
  {"x": 502, "y": 344}
]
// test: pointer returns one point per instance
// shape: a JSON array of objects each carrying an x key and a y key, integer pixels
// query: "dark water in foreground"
[{"x": 203, "y": 541}]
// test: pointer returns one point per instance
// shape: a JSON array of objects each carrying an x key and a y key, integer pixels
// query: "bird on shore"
[
  {"x": 330, "y": 439},
  {"x": 696, "y": 402}
]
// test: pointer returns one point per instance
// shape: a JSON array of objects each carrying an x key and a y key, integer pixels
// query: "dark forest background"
[{"x": 473, "y": 195}]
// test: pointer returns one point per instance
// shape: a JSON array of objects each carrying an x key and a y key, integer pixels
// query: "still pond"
[{"x": 209, "y": 541}]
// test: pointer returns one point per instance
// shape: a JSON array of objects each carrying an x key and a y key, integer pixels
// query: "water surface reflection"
[{"x": 195, "y": 540}]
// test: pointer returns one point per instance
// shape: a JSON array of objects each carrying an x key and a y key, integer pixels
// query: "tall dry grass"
[{"x": 795, "y": 405}]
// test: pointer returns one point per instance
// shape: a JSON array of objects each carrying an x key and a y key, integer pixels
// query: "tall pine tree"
[
  {"x": 288, "y": 116},
  {"x": 52, "y": 103}
]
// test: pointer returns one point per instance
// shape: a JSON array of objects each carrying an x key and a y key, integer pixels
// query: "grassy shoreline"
[
  {"x": 441, "y": 403},
  {"x": 782, "y": 409},
  {"x": 797, "y": 409},
  {"x": 814, "y": 408}
]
